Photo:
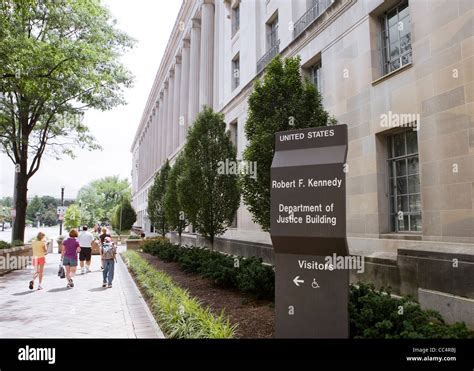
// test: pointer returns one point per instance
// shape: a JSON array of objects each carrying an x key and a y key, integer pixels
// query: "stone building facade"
[{"x": 399, "y": 73}]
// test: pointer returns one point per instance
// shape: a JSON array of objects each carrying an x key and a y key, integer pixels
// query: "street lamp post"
[
  {"x": 61, "y": 221},
  {"x": 120, "y": 227}
]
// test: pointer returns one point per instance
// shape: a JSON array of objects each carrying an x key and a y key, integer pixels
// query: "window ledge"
[
  {"x": 393, "y": 73},
  {"x": 413, "y": 236}
]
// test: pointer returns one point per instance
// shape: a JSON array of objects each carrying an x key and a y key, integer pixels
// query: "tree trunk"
[
  {"x": 211, "y": 238},
  {"x": 21, "y": 203}
]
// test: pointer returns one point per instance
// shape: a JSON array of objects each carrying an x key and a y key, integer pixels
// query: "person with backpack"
[
  {"x": 102, "y": 238},
  {"x": 108, "y": 252}
]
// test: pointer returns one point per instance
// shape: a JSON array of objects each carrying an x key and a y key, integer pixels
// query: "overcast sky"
[{"x": 150, "y": 22}]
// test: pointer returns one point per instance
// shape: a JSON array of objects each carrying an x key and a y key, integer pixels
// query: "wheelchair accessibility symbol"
[{"x": 314, "y": 284}]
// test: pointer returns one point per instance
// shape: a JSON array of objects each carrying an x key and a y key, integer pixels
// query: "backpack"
[{"x": 108, "y": 251}]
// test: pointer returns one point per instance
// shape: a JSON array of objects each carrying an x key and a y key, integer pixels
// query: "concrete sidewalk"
[{"x": 86, "y": 311}]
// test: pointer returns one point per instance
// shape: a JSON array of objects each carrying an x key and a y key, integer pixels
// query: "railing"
[
  {"x": 268, "y": 56},
  {"x": 310, "y": 16}
]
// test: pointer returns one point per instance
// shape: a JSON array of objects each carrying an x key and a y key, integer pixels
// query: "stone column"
[
  {"x": 206, "y": 81},
  {"x": 156, "y": 140},
  {"x": 164, "y": 124},
  {"x": 160, "y": 130},
  {"x": 169, "y": 124},
  {"x": 195, "y": 47},
  {"x": 153, "y": 139},
  {"x": 145, "y": 151},
  {"x": 176, "y": 102},
  {"x": 184, "y": 91}
]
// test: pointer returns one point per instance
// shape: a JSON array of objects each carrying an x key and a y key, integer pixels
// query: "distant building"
[{"x": 398, "y": 73}]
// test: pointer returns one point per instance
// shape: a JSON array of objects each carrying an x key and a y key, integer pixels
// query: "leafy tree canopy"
[{"x": 281, "y": 101}]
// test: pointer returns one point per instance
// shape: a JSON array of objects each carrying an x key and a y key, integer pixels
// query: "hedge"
[
  {"x": 373, "y": 314},
  {"x": 179, "y": 315},
  {"x": 248, "y": 275}
]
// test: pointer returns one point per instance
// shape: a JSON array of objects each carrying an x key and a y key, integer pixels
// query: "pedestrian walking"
[
  {"x": 104, "y": 235},
  {"x": 69, "y": 253},
  {"x": 39, "y": 259},
  {"x": 108, "y": 252},
  {"x": 85, "y": 241},
  {"x": 102, "y": 241}
]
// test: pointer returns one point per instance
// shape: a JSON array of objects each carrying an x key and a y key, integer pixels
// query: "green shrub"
[
  {"x": 376, "y": 314},
  {"x": 5, "y": 245},
  {"x": 179, "y": 315},
  {"x": 220, "y": 269},
  {"x": 256, "y": 278},
  {"x": 249, "y": 276},
  {"x": 18, "y": 243},
  {"x": 373, "y": 314},
  {"x": 134, "y": 237}
]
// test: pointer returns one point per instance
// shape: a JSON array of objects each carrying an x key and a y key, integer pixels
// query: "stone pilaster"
[
  {"x": 176, "y": 102},
  {"x": 206, "y": 71},
  {"x": 194, "y": 77},
  {"x": 169, "y": 124},
  {"x": 184, "y": 92},
  {"x": 165, "y": 123},
  {"x": 160, "y": 131}
]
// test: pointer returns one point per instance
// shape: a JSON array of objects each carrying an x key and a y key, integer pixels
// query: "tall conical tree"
[
  {"x": 156, "y": 195},
  {"x": 209, "y": 197},
  {"x": 173, "y": 209},
  {"x": 282, "y": 100}
]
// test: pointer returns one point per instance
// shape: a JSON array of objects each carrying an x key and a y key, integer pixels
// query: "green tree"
[
  {"x": 35, "y": 206},
  {"x": 50, "y": 217},
  {"x": 281, "y": 101},
  {"x": 72, "y": 217},
  {"x": 209, "y": 196},
  {"x": 99, "y": 197},
  {"x": 156, "y": 195},
  {"x": 6, "y": 201},
  {"x": 124, "y": 216},
  {"x": 57, "y": 59},
  {"x": 173, "y": 209}
]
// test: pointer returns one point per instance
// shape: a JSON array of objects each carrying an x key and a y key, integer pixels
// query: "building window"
[
  {"x": 233, "y": 133},
  {"x": 235, "y": 72},
  {"x": 235, "y": 19},
  {"x": 315, "y": 75},
  {"x": 396, "y": 38},
  {"x": 272, "y": 33},
  {"x": 404, "y": 182}
]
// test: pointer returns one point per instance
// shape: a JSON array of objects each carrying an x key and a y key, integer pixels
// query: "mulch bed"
[{"x": 255, "y": 318}]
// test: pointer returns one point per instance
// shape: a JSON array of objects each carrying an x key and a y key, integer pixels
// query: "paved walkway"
[{"x": 86, "y": 311}]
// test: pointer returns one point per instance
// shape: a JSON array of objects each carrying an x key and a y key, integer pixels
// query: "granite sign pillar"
[{"x": 308, "y": 231}]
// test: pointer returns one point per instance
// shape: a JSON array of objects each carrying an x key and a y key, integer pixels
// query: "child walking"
[{"x": 39, "y": 251}]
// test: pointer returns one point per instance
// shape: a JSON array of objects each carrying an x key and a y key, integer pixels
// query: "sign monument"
[{"x": 308, "y": 231}]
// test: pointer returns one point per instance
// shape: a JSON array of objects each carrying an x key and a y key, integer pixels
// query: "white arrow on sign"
[{"x": 297, "y": 281}]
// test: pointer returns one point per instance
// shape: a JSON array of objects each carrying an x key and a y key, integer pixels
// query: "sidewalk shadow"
[
  {"x": 24, "y": 293},
  {"x": 98, "y": 289},
  {"x": 59, "y": 289}
]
